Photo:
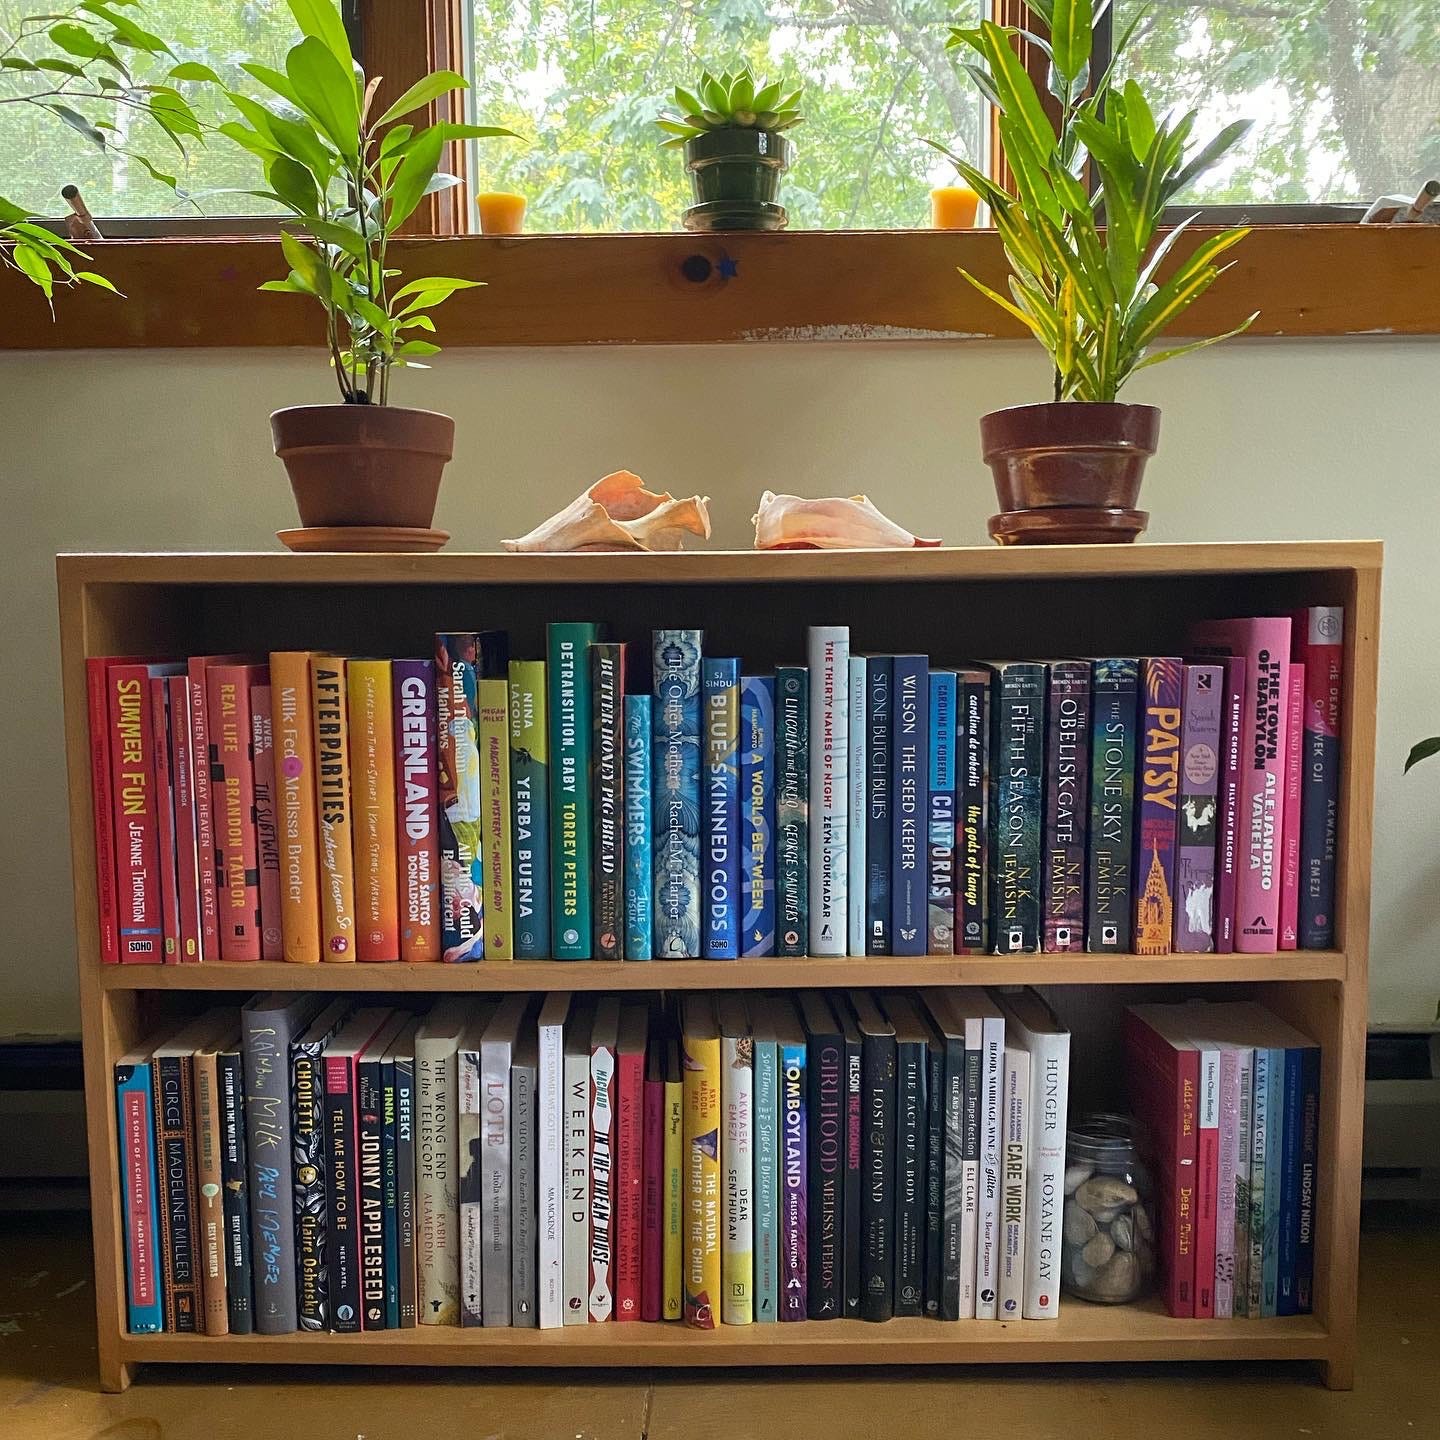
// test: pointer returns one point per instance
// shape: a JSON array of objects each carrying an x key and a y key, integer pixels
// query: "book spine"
[
  {"x": 470, "y": 1136},
  {"x": 209, "y": 1204},
  {"x": 794, "y": 1210},
  {"x": 909, "y": 767},
  {"x": 1227, "y": 841},
  {"x": 267, "y": 833},
  {"x": 390, "y": 1192},
  {"x": 857, "y": 873},
  {"x": 934, "y": 1177},
  {"x": 462, "y": 868},
  {"x": 407, "y": 1206},
  {"x": 309, "y": 1165},
  {"x": 1319, "y": 632},
  {"x": 295, "y": 797},
  {"x": 607, "y": 662},
  {"x": 530, "y": 819},
  {"x": 991, "y": 1121},
  {"x": 757, "y": 813},
  {"x": 1162, "y": 681},
  {"x": 1011, "y": 1300},
  {"x": 570, "y": 736},
  {"x": 941, "y": 813},
  {"x": 912, "y": 1062},
  {"x": 139, "y": 1187},
  {"x": 676, "y": 790},
  {"x": 493, "y": 730},
  {"x": 1274, "y": 1183},
  {"x": 550, "y": 1165},
  {"x": 417, "y": 819},
  {"x": 1229, "y": 1122},
  {"x": 1108, "y": 917},
  {"x": 524, "y": 1212},
  {"x": 953, "y": 1195},
  {"x": 102, "y": 802},
  {"x": 972, "y": 815},
  {"x": 237, "y": 876},
  {"x": 1289, "y": 1186},
  {"x": 333, "y": 812},
  {"x": 1294, "y": 792},
  {"x": 175, "y": 1155},
  {"x": 720, "y": 840},
  {"x": 235, "y": 1180},
  {"x": 1259, "y": 1147},
  {"x": 576, "y": 1240},
  {"x": 370, "y": 1183},
  {"x": 1308, "y": 1161},
  {"x": 629, "y": 1228},
  {"x": 1244, "y": 1131},
  {"x": 879, "y": 681},
  {"x": 971, "y": 1127},
  {"x": 1018, "y": 750},
  {"x": 342, "y": 1240},
  {"x": 829, "y": 664},
  {"x": 168, "y": 869},
  {"x": 601, "y": 1302},
  {"x": 1045, "y": 1173},
  {"x": 792, "y": 800},
  {"x": 437, "y": 1163},
  {"x": 737, "y": 1181},
  {"x": 134, "y": 817},
  {"x": 652, "y": 1220},
  {"x": 673, "y": 1295},
  {"x": 497, "y": 1275},
  {"x": 825, "y": 1192},
  {"x": 877, "y": 1194},
  {"x": 1200, "y": 750},
  {"x": 182, "y": 779},
  {"x": 1207, "y": 1183},
  {"x": 701, "y": 1068},
  {"x": 639, "y": 829},
  {"x": 767, "y": 1181},
  {"x": 203, "y": 788},
  {"x": 854, "y": 1170},
  {"x": 1067, "y": 750}
]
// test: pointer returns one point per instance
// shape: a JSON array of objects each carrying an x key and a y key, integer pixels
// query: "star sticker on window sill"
[{"x": 729, "y": 269}]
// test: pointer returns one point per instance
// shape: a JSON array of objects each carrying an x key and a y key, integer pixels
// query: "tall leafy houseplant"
[
  {"x": 350, "y": 179},
  {"x": 1082, "y": 235}
]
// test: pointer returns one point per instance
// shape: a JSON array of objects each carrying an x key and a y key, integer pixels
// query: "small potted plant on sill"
[
  {"x": 1080, "y": 234},
  {"x": 732, "y": 132},
  {"x": 349, "y": 181}
]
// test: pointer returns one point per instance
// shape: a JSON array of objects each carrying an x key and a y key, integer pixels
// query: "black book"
[
  {"x": 1017, "y": 765},
  {"x": 607, "y": 669},
  {"x": 934, "y": 1174},
  {"x": 390, "y": 1186},
  {"x": 853, "y": 1131},
  {"x": 953, "y": 1119},
  {"x": 825, "y": 1120},
  {"x": 879, "y": 677},
  {"x": 1113, "y": 724},
  {"x": 234, "y": 1177},
  {"x": 792, "y": 810},
  {"x": 877, "y": 1158},
  {"x": 405, "y": 1203},
  {"x": 972, "y": 810},
  {"x": 370, "y": 1170},
  {"x": 1067, "y": 805},
  {"x": 912, "y": 1065}
]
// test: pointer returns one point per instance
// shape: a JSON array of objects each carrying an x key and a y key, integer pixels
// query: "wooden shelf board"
[
  {"x": 1081, "y": 1333},
  {"x": 758, "y": 974}
]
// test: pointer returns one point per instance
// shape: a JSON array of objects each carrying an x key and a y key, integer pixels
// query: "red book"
[
  {"x": 102, "y": 802},
  {"x": 652, "y": 1247},
  {"x": 202, "y": 785},
  {"x": 1290, "y": 836},
  {"x": 182, "y": 781},
  {"x": 1207, "y": 1178},
  {"x": 630, "y": 1162},
  {"x": 1232, "y": 732},
  {"x": 1163, "y": 1080},
  {"x": 232, "y": 774},
  {"x": 267, "y": 835},
  {"x": 1318, "y": 643},
  {"x": 165, "y": 816}
]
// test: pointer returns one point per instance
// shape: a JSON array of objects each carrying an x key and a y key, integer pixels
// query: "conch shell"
[
  {"x": 618, "y": 513},
  {"x": 787, "y": 522}
]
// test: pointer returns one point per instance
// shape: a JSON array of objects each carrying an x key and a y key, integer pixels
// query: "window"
[{"x": 583, "y": 80}]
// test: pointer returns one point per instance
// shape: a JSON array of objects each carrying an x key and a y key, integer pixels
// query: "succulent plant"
[{"x": 735, "y": 100}]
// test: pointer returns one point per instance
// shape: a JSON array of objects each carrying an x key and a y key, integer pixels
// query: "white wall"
[{"x": 1262, "y": 440}]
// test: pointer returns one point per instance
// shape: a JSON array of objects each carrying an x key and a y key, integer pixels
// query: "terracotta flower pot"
[{"x": 363, "y": 464}]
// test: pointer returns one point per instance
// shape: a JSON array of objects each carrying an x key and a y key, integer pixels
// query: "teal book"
[
  {"x": 723, "y": 908},
  {"x": 570, "y": 733},
  {"x": 639, "y": 822},
  {"x": 530, "y": 810},
  {"x": 792, "y": 800},
  {"x": 766, "y": 1131},
  {"x": 1017, "y": 763},
  {"x": 676, "y": 793}
]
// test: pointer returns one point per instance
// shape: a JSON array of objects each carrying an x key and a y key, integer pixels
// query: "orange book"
[
  {"x": 372, "y": 803},
  {"x": 295, "y": 803},
  {"x": 335, "y": 862}
]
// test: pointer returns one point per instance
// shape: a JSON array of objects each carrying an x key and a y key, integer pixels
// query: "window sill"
[{"x": 1310, "y": 280}]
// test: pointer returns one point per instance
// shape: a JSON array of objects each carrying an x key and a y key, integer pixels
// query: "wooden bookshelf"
[{"x": 953, "y": 602}]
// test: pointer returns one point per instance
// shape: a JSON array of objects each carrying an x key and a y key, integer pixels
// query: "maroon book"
[
  {"x": 182, "y": 781},
  {"x": 165, "y": 817}
]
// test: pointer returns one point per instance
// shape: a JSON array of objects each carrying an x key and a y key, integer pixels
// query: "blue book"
[
  {"x": 721, "y": 859},
  {"x": 639, "y": 886},
  {"x": 877, "y": 812},
  {"x": 1289, "y": 1239},
  {"x": 766, "y": 1123},
  {"x": 1274, "y": 1164},
  {"x": 676, "y": 793},
  {"x": 139, "y": 1193},
  {"x": 942, "y": 812},
  {"x": 792, "y": 800},
  {"x": 757, "y": 819},
  {"x": 909, "y": 768}
]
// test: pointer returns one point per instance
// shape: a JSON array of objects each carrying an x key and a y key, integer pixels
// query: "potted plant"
[
  {"x": 350, "y": 180},
  {"x": 732, "y": 132},
  {"x": 1080, "y": 233}
]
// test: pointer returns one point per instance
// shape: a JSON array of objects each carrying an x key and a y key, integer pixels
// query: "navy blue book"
[
  {"x": 879, "y": 671},
  {"x": 792, "y": 808},
  {"x": 1295, "y": 1276},
  {"x": 1309, "y": 1159},
  {"x": 720, "y": 843},
  {"x": 909, "y": 776},
  {"x": 757, "y": 813},
  {"x": 1017, "y": 766}
]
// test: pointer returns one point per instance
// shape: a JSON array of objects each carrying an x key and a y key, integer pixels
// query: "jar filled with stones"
[{"x": 1108, "y": 1249}]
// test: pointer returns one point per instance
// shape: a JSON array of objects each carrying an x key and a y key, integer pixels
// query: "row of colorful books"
[
  {"x": 1229, "y": 1096},
  {"x": 312, "y": 1163},
  {"x": 624, "y": 802}
]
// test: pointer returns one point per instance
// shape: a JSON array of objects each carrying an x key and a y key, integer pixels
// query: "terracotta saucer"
[
  {"x": 371, "y": 539},
  {"x": 1067, "y": 525}
]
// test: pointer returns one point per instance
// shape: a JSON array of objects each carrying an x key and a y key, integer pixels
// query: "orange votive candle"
[
  {"x": 952, "y": 207},
  {"x": 500, "y": 213}
]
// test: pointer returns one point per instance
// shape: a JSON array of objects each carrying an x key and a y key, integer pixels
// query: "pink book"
[
  {"x": 1225, "y": 1194},
  {"x": 267, "y": 834},
  {"x": 1207, "y": 1181},
  {"x": 1232, "y": 730},
  {"x": 652, "y": 1256},
  {"x": 1290, "y": 840},
  {"x": 1265, "y": 645}
]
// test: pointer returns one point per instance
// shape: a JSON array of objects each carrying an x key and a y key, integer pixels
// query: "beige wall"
[{"x": 1265, "y": 440}]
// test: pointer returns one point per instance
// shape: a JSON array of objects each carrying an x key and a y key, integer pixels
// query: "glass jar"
[{"x": 1107, "y": 1252}]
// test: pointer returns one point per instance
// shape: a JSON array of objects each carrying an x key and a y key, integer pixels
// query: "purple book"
[
  {"x": 794, "y": 1289},
  {"x": 1232, "y": 730},
  {"x": 1157, "y": 794},
  {"x": 1067, "y": 804},
  {"x": 1199, "y": 805}
]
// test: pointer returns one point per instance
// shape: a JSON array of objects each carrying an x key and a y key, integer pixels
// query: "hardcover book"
[
  {"x": 407, "y": 1200},
  {"x": 857, "y": 878},
  {"x": 295, "y": 798},
  {"x": 972, "y": 811},
  {"x": 209, "y": 1192},
  {"x": 639, "y": 829},
  {"x": 496, "y": 1137},
  {"x": 576, "y": 1159},
  {"x": 570, "y": 737},
  {"x": 102, "y": 799},
  {"x": 371, "y": 704},
  {"x": 1227, "y": 844},
  {"x": 607, "y": 798},
  {"x": 267, "y": 838},
  {"x": 1012, "y": 1183},
  {"x": 737, "y": 1162},
  {"x": 332, "y": 807},
  {"x": 720, "y": 842},
  {"x": 182, "y": 781},
  {"x": 878, "y": 680},
  {"x": 1207, "y": 1178},
  {"x": 232, "y": 760},
  {"x": 390, "y": 1181},
  {"x": 1162, "y": 682},
  {"x": 825, "y": 1185},
  {"x": 941, "y": 815},
  {"x": 1108, "y": 917},
  {"x": 160, "y": 769},
  {"x": 757, "y": 814},
  {"x": 524, "y": 1211},
  {"x": 493, "y": 728},
  {"x": 202, "y": 784},
  {"x": 1017, "y": 761},
  {"x": 1318, "y": 636},
  {"x": 550, "y": 1159},
  {"x": 235, "y": 1177},
  {"x": 700, "y": 1062},
  {"x": 794, "y": 1150},
  {"x": 1067, "y": 796},
  {"x": 652, "y": 1219},
  {"x": 462, "y": 869},
  {"x": 629, "y": 1166},
  {"x": 1294, "y": 789},
  {"x": 957, "y": 1169},
  {"x": 854, "y": 1154},
  {"x": 676, "y": 793},
  {"x": 673, "y": 1196},
  {"x": 909, "y": 767},
  {"x": 1199, "y": 803},
  {"x": 417, "y": 800},
  {"x": 139, "y": 1193},
  {"x": 792, "y": 800},
  {"x": 912, "y": 1063},
  {"x": 877, "y": 1190},
  {"x": 370, "y": 1171},
  {"x": 829, "y": 664},
  {"x": 766, "y": 1057},
  {"x": 603, "y": 1039},
  {"x": 530, "y": 817}
]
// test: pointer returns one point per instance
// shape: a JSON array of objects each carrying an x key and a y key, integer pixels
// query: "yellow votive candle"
[
  {"x": 501, "y": 214},
  {"x": 952, "y": 207}
]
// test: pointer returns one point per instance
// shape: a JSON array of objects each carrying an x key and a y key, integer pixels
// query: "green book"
[
  {"x": 530, "y": 817},
  {"x": 569, "y": 683}
]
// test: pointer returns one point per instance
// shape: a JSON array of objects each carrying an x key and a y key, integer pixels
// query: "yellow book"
[
  {"x": 700, "y": 1062},
  {"x": 673, "y": 1196},
  {"x": 494, "y": 708},
  {"x": 295, "y": 783},
  {"x": 372, "y": 804},
  {"x": 332, "y": 799}
]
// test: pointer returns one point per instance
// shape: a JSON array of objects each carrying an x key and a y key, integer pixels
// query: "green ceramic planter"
[{"x": 735, "y": 176}]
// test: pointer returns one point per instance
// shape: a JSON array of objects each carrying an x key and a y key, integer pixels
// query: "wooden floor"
[{"x": 47, "y": 1388}]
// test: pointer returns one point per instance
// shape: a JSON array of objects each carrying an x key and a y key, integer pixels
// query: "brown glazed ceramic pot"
[
  {"x": 363, "y": 464},
  {"x": 1069, "y": 452}
]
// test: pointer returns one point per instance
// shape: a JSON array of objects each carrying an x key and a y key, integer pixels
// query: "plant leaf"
[
  {"x": 294, "y": 184},
  {"x": 1017, "y": 90},
  {"x": 306, "y": 263},
  {"x": 1230, "y": 136},
  {"x": 321, "y": 20},
  {"x": 434, "y": 284},
  {"x": 414, "y": 173},
  {"x": 76, "y": 121},
  {"x": 1070, "y": 36},
  {"x": 326, "y": 93},
  {"x": 194, "y": 70},
  {"x": 1423, "y": 751},
  {"x": 422, "y": 92},
  {"x": 1195, "y": 345}
]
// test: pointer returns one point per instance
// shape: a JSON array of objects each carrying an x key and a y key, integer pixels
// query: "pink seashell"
[{"x": 788, "y": 522}]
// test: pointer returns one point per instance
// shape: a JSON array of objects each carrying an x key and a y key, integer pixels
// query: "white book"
[
  {"x": 1229, "y": 1122},
  {"x": 603, "y": 1038},
  {"x": 467, "y": 1061},
  {"x": 855, "y": 880},
  {"x": 576, "y": 1249},
  {"x": 497, "y": 1048},
  {"x": 1031, "y": 1025},
  {"x": 550, "y": 1106},
  {"x": 1245, "y": 1087},
  {"x": 737, "y": 1178},
  {"x": 987, "y": 1221},
  {"x": 1012, "y": 1183},
  {"x": 829, "y": 658}
]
